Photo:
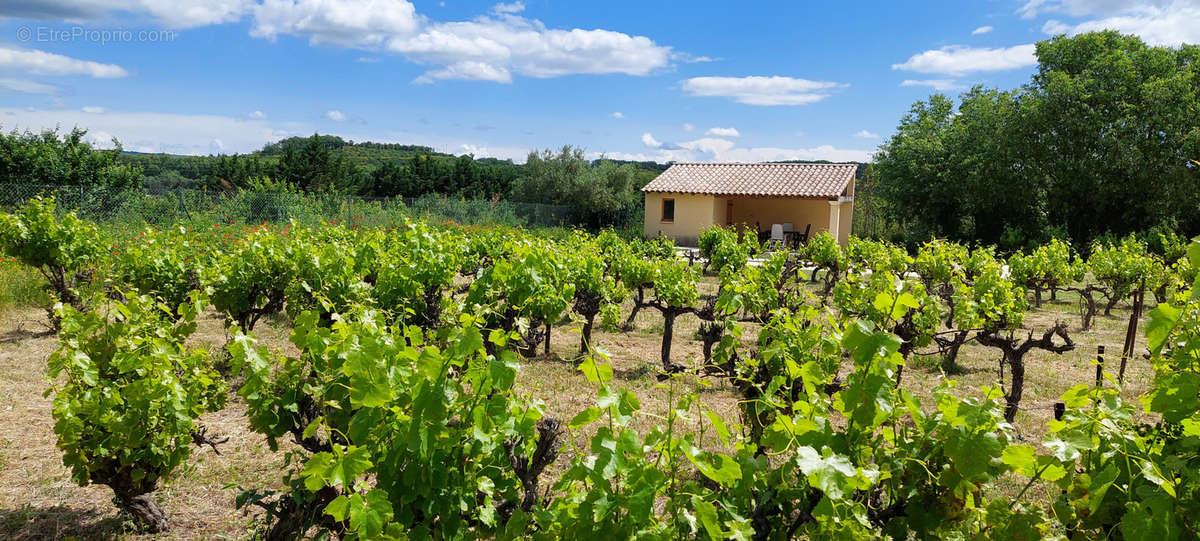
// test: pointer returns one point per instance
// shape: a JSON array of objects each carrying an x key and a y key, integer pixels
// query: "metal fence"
[{"x": 170, "y": 206}]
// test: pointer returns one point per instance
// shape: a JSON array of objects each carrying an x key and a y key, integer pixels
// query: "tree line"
[
  {"x": 1102, "y": 141},
  {"x": 597, "y": 192}
]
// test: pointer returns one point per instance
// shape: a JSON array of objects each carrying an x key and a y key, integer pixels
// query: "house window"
[{"x": 668, "y": 210}]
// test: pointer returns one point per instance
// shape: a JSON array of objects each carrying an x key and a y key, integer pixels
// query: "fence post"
[{"x": 1099, "y": 365}]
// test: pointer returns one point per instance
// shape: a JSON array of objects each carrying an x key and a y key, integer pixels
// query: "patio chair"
[
  {"x": 802, "y": 238},
  {"x": 776, "y": 238}
]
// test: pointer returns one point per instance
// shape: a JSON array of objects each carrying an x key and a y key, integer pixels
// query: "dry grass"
[{"x": 39, "y": 501}]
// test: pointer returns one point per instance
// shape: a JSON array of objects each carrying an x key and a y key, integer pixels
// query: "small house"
[{"x": 689, "y": 197}]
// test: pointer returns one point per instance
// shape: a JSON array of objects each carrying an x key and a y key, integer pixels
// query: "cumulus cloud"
[
  {"x": 715, "y": 149},
  {"x": 688, "y": 127},
  {"x": 982, "y": 30},
  {"x": 514, "y": 7},
  {"x": 492, "y": 47},
  {"x": 941, "y": 85},
  {"x": 26, "y": 86},
  {"x": 170, "y": 13},
  {"x": 866, "y": 134},
  {"x": 745, "y": 155},
  {"x": 1157, "y": 23},
  {"x": 466, "y": 71},
  {"x": 156, "y": 132},
  {"x": 722, "y": 132},
  {"x": 93, "y": 110},
  {"x": 351, "y": 23},
  {"x": 44, "y": 63},
  {"x": 1081, "y": 8},
  {"x": 758, "y": 90},
  {"x": 335, "y": 115},
  {"x": 516, "y": 154},
  {"x": 257, "y": 115},
  {"x": 958, "y": 59},
  {"x": 618, "y": 114}
]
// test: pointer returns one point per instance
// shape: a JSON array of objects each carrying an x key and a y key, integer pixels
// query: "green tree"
[
  {"x": 314, "y": 166},
  {"x": 598, "y": 193},
  {"x": 50, "y": 158},
  {"x": 1098, "y": 141}
]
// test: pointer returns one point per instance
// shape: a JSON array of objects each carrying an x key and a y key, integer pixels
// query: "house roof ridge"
[{"x": 781, "y": 179}]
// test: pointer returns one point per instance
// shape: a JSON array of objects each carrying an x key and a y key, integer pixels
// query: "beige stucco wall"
[
  {"x": 766, "y": 211},
  {"x": 693, "y": 213}
]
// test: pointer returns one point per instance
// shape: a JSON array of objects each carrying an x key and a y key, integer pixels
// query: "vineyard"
[{"x": 419, "y": 380}]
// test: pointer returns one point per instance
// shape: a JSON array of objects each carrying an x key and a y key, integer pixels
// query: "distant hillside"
[{"x": 375, "y": 169}]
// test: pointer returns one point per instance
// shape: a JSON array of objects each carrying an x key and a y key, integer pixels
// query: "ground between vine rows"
[{"x": 39, "y": 501}]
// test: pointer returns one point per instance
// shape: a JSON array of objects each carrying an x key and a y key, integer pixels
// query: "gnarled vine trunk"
[{"x": 1014, "y": 350}]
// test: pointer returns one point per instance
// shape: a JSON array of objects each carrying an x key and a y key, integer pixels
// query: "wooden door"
[{"x": 729, "y": 213}]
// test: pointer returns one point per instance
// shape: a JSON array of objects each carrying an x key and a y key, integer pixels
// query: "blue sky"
[{"x": 694, "y": 81}]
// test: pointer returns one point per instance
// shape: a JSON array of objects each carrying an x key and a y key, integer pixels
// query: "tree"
[
  {"x": 598, "y": 193},
  {"x": 313, "y": 166},
  {"x": 395, "y": 180},
  {"x": 1098, "y": 141},
  {"x": 1112, "y": 131},
  {"x": 48, "y": 158}
]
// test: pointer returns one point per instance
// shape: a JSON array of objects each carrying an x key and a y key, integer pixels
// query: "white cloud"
[
  {"x": 27, "y": 86},
  {"x": 757, "y": 90},
  {"x": 715, "y": 152},
  {"x": 715, "y": 149},
  {"x": 941, "y": 85},
  {"x": 492, "y": 47},
  {"x": 43, "y": 63},
  {"x": 514, "y": 7},
  {"x": 1170, "y": 25},
  {"x": 708, "y": 145},
  {"x": 156, "y": 132},
  {"x": 93, "y": 110},
  {"x": 516, "y": 154},
  {"x": 722, "y": 132},
  {"x": 170, "y": 13},
  {"x": 1157, "y": 22},
  {"x": 618, "y": 114},
  {"x": 468, "y": 70},
  {"x": 335, "y": 115},
  {"x": 958, "y": 59},
  {"x": 771, "y": 154},
  {"x": 352, "y": 23},
  {"x": 512, "y": 44},
  {"x": 257, "y": 115},
  {"x": 866, "y": 134},
  {"x": 1081, "y": 8},
  {"x": 688, "y": 127},
  {"x": 982, "y": 30}
]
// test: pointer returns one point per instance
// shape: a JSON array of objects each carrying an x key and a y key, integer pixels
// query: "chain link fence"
[{"x": 170, "y": 206}]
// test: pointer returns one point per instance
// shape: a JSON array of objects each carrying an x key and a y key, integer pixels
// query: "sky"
[{"x": 649, "y": 80}]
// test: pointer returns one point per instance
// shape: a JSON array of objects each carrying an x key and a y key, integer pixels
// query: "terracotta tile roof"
[{"x": 814, "y": 180}]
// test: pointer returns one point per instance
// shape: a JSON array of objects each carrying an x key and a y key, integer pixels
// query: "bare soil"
[{"x": 38, "y": 500}]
